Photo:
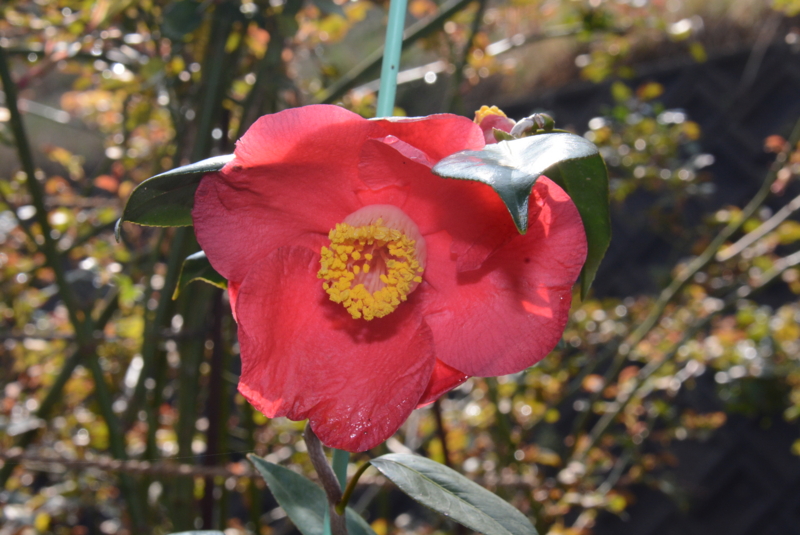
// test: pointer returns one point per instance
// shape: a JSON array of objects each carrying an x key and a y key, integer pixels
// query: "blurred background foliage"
[{"x": 118, "y": 408}]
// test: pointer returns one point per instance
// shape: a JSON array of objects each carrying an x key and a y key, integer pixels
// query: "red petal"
[
  {"x": 443, "y": 379},
  {"x": 511, "y": 313},
  {"x": 303, "y": 356},
  {"x": 233, "y": 293},
  {"x": 292, "y": 180},
  {"x": 318, "y": 133},
  {"x": 436, "y": 135},
  {"x": 495, "y": 121},
  {"x": 394, "y": 172}
]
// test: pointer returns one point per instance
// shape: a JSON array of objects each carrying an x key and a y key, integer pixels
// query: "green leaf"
[
  {"x": 304, "y": 502},
  {"x": 511, "y": 168},
  {"x": 200, "y": 532},
  {"x": 448, "y": 492},
  {"x": 197, "y": 267},
  {"x": 181, "y": 18},
  {"x": 586, "y": 182},
  {"x": 501, "y": 135},
  {"x": 166, "y": 200}
]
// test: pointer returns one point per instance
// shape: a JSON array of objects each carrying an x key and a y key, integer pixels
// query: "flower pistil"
[{"x": 375, "y": 260}]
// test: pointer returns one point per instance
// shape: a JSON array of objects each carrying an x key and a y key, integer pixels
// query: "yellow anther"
[{"x": 391, "y": 267}]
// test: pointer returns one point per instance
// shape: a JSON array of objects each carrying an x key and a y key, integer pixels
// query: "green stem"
[
  {"x": 116, "y": 440},
  {"x": 391, "y": 57},
  {"x": 456, "y": 104},
  {"x": 253, "y": 492},
  {"x": 194, "y": 310},
  {"x": 348, "y": 491},
  {"x": 54, "y": 395},
  {"x": 271, "y": 70},
  {"x": 154, "y": 358},
  {"x": 216, "y": 413},
  {"x": 22, "y": 224},
  {"x": 77, "y": 316},
  {"x": 81, "y": 323},
  {"x": 149, "y": 337},
  {"x": 442, "y": 432},
  {"x": 502, "y": 427}
]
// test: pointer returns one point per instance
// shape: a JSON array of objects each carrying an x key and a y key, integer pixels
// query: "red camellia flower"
[{"x": 364, "y": 286}]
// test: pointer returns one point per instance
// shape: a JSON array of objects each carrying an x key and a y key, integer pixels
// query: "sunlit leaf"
[
  {"x": 511, "y": 168},
  {"x": 586, "y": 182},
  {"x": 197, "y": 267},
  {"x": 446, "y": 491},
  {"x": 166, "y": 200}
]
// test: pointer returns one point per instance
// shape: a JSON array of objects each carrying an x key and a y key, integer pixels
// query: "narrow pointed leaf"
[
  {"x": 197, "y": 267},
  {"x": 166, "y": 200},
  {"x": 446, "y": 491},
  {"x": 304, "y": 502},
  {"x": 586, "y": 182},
  {"x": 511, "y": 168}
]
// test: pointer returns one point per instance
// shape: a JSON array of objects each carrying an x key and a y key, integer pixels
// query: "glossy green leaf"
[
  {"x": 511, "y": 168},
  {"x": 586, "y": 182},
  {"x": 197, "y": 267},
  {"x": 304, "y": 502},
  {"x": 446, "y": 491},
  {"x": 166, "y": 200}
]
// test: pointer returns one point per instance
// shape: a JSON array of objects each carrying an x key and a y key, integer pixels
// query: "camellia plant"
[
  {"x": 118, "y": 411},
  {"x": 374, "y": 265}
]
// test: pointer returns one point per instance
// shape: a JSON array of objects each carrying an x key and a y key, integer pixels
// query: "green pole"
[
  {"x": 391, "y": 57},
  {"x": 386, "y": 95}
]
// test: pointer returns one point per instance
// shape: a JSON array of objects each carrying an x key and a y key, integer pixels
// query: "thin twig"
[
  {"x": 686, "y": 273},
  {"x": 442, "y": 432},
  {"x": 77, "y": 316},
  {"x": 627, "y": 394},
  {"x": 54, "y": 395},
  {"x": 767, "y": 226},
  {"x": 458, "y": 74},
  {"x": 134, "y": 467}
]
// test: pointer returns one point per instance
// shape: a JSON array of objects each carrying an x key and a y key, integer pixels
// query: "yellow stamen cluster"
[
  {"x": 485, "y": 111},
  {"x": 351, "y": 261}
]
